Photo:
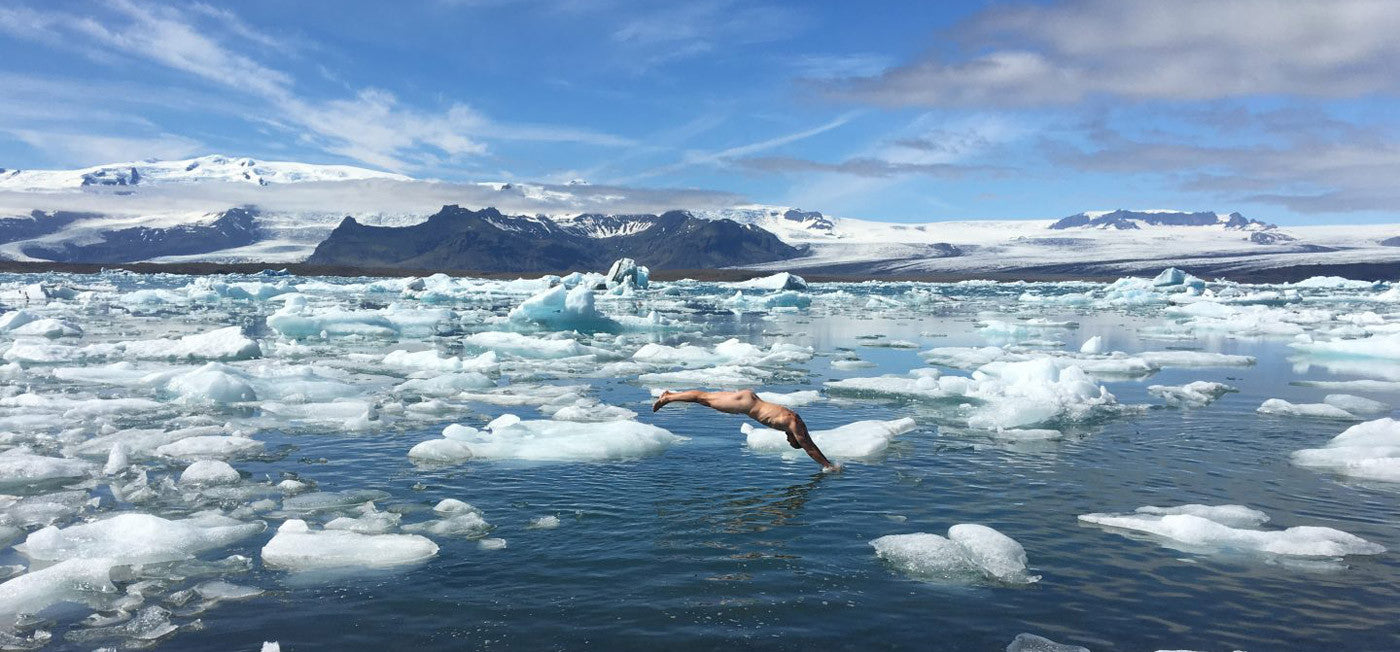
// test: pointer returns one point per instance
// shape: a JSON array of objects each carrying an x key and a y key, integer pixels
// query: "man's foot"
[{"x": 661, "y": 400}]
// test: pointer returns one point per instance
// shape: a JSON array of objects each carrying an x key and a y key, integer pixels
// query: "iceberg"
[
  {"x": 1365, "y": 451},
  {"x": 1214, "y": 529},
  {"x": 297, "y": 547},
  {"x": 547, "y": 441},
  {"x": 970, "y": 553},
  {"x": 136, "y": 538},
  {"x": 775, "y": 283},
  {"x": 1198, "y": 393},
  {"x": 858, "y": 440}
]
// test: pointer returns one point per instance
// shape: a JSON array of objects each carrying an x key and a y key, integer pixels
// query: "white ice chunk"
[
  {"x": 209, "y": 472},
  {"x": 776, "y": 282},
  {"x": 1032, "y": 643},
  {"x": 222, "y": 344},
  {"x": 1357, "y": 405},
  {"x": 543, "y": 440},
  {"x": 1197, "y": 529},
  {"x": 1366, "y": 451},
  {"x": 525, "y": 346},
  {"x": 970, "y": 553},
  {"x": 792, "y": 399},
  {"x": 1315, "y": 410},
  {"x": 297, "y": 547},
  {"x": 858, "y": 440},
  {"x": 562, "y": 308},
  {"x": 22, "y": 468},
  {"x": 431, "y": 361},
  {"x": 1193, "y": 394},
  {"x": 544, "y": 523},
  {"x": 138, "y": 538},
  {"x": 210, "y": 447},
  {"x": 1093, "y": 345},
  {"x": 72, "y": 580},
  {"x": 212, "y": 383}
]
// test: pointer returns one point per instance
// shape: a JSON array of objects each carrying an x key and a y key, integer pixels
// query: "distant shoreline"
[{"x": 1059, "y": 273}]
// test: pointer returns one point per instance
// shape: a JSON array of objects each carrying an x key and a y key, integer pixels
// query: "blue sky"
[{"x": 898, "y": 111}]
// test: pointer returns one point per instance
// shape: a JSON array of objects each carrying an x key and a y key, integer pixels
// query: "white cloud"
[
  {"x": 83, "y": 147},
  {"x": 1063, "y": 53},
  {"x": 372, "y": 126}
]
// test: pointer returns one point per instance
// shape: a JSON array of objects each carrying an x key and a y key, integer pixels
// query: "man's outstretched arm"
[{"x": 797, "y": 430}]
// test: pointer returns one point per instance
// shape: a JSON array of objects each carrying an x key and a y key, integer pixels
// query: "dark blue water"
[{"x": 712, "y": 546}]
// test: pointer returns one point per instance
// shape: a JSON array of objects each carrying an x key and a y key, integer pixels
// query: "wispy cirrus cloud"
[
  {"x": 1064, "y": 53},
  {"x": 371, "y": 125}
]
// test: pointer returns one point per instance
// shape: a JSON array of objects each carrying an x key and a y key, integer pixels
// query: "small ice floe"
[
  {"x": 792, "y": 399},
  {"x": 1365, "y": 451},
  {"x": 297, "y": 547},
  {"x": 1031, "y": 643},
  {"x": 970, "y": 554},
  {"x": 1280, "y": 407},
  {"x": 859, "y": 440},
  {"x": 999, "y": 396},
  {"x": 774, "y": 283},
  {"x": 81, "y": 580},
  {"x": 209, "y": 472},
  {"x": 543, "y": 523},
  {"x": 138, "y": 538},
  {"x": 1198, "y": 393},
  {"x": 526, "y": 346},
  {"x": 19, "y": 467},
  {"x": 1216, "y": 528},
  {"x": 510, "y": 438}
]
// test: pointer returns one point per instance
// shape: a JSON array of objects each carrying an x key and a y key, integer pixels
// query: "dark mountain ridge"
[{"x": 461, "y": 239}]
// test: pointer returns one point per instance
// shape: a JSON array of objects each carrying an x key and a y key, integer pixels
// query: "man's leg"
[{"x": 731, "y": 402}]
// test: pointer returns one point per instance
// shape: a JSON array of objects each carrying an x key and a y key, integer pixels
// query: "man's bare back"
[{"x": 745, "y": 401}]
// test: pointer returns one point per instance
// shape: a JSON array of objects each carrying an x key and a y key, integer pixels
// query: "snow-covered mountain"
[
  {"x": 229, "y": 209},
  {"x": 203, "y": 169}
]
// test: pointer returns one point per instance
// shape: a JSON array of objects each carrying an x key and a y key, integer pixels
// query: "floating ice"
[
  {"x": 792, "y": 399},
  {"x": 1281, "y": 407},
  {"x": 625, "y": 271},
  {"x": 209, "y": 472},
  {"x": 784, "y": 299},
  {"x": 1206, "y": 528},
  {"x": 1093, "y": 345},
  {"x": 525, "y": 346},
  {"x": 296, "y": 547},
  {"x": 1005, "y": 395},
  {"x": 858, "y": 440},
  {"x": 1366, "y": 451},
  {"x": 729, "y": 352},
  {"x": 1356, "y": 404},
  {"x": 370, "y": 521},
  {"x": 431, "y": 361},
  {"x": 544, "y": 523},
  {"x": 562, "y": 308},
  {"x": 1386, "y": 347},
  {"x": 776, "y": 282},
  {"x": 21, "y": 468},
  {"x": 468, "y": 525},
  {"x": 210, "y": 447},
  {"x": 1173, "y": 277},
  {"x": 492, "y": 544},
  {"x": 222, "y": 344},
  {"x": 47, "y": 327},
  {"x": 970, "y": 553},
  {"x": 212, "y": 383},
  {"x": 86, "y": 581},
  {"x": 728, "y": 376},
  {"x": 1193, "y": 394},
  {"x": 138, "y": 538},
  {"x": 1195, "y": 359},
  {"x": 543, "y": 440},
  {"x": 1032, "y": 643},
  {"x": 449, "y": 384}
]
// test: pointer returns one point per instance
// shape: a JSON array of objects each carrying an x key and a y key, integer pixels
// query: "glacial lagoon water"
[{"x": 705, "y": 542}]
